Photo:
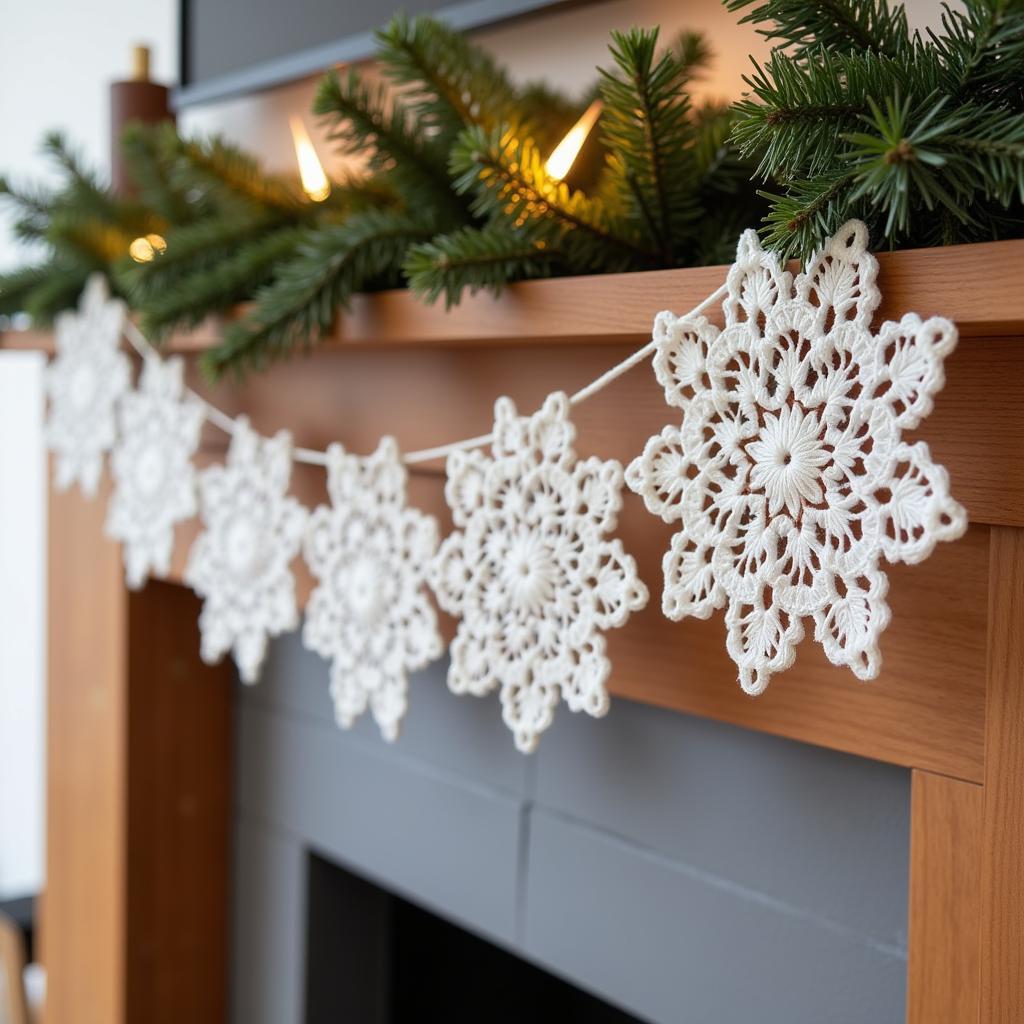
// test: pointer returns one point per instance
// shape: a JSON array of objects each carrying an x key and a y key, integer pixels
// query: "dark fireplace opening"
[{"x": 374, "y": 958}]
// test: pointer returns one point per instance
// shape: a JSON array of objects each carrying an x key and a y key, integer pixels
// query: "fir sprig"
[
  {"x": 300, "y": 304},
  {"x": 853, "y": 116}
]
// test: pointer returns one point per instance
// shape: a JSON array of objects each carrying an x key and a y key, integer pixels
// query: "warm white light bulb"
[
  {"x": 563, "y": 155},
  {"x": 311, "y": 173}
]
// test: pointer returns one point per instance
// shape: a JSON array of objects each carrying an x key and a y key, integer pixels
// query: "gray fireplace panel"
[
  {"x": 681, "y": 945},
  {"x": 685, "y": 870}
]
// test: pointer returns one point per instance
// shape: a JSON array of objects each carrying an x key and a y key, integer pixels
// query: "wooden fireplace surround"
[{"x": 134, "y": 917}]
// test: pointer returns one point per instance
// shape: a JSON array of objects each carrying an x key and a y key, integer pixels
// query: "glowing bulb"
[
  {"x": 144, "y": 248},
  {"x": 314, "y": 181},
  {"x": 563, "y": 155}
]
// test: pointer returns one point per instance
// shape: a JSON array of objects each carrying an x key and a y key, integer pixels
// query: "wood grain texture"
[
  {"x": 945, "y": 900},
  {"x": 975, "y": 285},
  {"x": 179, "y": 744},
  {"x": 134, "y": 922},
  {"x": 84, "y": 914},
  {"x": 1002, "y": 876}
]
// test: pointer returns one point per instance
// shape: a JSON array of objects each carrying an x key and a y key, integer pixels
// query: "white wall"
[
  {"x": 22, "y": 610},
  {"x": 59, "y": 57}
]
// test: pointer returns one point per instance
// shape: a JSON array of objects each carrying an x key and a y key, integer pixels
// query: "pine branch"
[
  {"x": 451, "y": 83},
  {"x": 545, "y": 114},
  {"x": 32, "y": 210},
  {"x": 810, "y": 210},
  {"x": 192, "y": 299},
  {"x": 191, "y": 250},
  {"x": 16, "y": 286},
  {"x": 796, "y": 115},
  {"x": 476, "y": 259},
  {"x": 646, "y": 124},
  {"x": 84, "y": 192},
  {"x": 804, "y": 26},
  {"x": 507, "y": 179},
  {"x": 918, "y": 161},
  {"x": 151, "y": 153},
  {"x": 42, "y": 291},
  {"x": 901, "y": 166},
  {"x": 982, "y": 46},
  {"x": 365, "y": 121},
  {"x": 233, "y": 175},
  {"x": 330, "y": 265}
]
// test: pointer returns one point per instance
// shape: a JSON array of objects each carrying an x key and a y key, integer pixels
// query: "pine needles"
[{"x": 853, "y": 115}]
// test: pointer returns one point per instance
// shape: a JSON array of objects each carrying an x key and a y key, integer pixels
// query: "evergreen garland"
[
  {"x": 851, "y": 115},
  {"x": 855, "y": 116}
]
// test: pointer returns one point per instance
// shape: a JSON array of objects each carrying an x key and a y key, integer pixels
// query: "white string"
[{"x": 315, "y": 457}]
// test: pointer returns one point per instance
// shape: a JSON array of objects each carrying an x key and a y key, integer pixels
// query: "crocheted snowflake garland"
[
  {"x": 370, "y": 615},
  {"x": 84, "y": 382},
  {"x": 240, "y": 563},
  {"x": 154, "y": 480},
  {"x": 530, "y": 570},
  {"x": 789, "y": 474}
]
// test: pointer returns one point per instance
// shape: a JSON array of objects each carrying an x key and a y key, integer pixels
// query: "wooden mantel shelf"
[
  {"x": 962, "y": 282},
  {"x": 949, "y": 703}
]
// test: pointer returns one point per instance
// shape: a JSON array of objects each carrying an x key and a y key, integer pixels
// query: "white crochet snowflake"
[
  {"x": 789, "y": 474},
  {"x": 154, "y": 480},
  {"x": 370, "y": 615},
  {"x": 84, "y": 382},
  {"x": 531, "y": 572},
  {"x": 240, "y": 563}
]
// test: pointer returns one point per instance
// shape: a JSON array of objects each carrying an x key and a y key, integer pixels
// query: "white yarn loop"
[{"x": 315, "y": 457}]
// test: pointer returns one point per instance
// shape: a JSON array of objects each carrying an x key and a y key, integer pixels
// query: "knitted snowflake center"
[
  {"x": 83, "y": 385},
  {"x": 247, "y": 546},
  {"x": 530, "y": 569},
  {"x": 150, "y": 469},
  {"x": 787, "y": 458}
]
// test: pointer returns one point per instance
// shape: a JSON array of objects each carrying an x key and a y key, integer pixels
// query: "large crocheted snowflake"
[
  {"x": 154, "y": 480},
  {"x": 370, "y": 615},
  {"x": 84, "y": 382},
  {"x": 530, "y": 570},
  {"x": 240, "y": 563},
  {"x": 789, "y": 474}
]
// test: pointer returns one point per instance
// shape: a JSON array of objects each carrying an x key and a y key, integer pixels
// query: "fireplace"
[
  {"x": 376, "y": 958},
  {"x": 659, "y": 862}
]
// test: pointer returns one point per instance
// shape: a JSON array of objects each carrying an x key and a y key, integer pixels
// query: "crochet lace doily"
[
  {"x": 370, "y": 614},
  {"x": 84, "y": 382},
  {"x": 240, "y": 563},
  {"x": 154, "y": 480},
  {"x": 788, "y": 474},
  {"x": 530, "y": 572}
]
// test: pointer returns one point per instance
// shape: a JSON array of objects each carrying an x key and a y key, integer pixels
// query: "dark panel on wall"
[{"x": 229, "y": 47}]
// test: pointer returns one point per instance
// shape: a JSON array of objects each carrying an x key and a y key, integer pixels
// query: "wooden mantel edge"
[{"x": 977, "y": 286}]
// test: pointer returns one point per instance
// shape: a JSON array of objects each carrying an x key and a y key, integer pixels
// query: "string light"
[
  {"x": 311, "y": 172},
  {"x": 564, "y": 154},
  {"x": 145, "y": 247}
]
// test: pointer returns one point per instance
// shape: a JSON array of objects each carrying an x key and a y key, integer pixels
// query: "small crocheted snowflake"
[
  {"x": 370, "y": 615},
  {"x": 530, "y": 570},
  {"x": 789, "y": 474},
  {"x": 84, "y": 382},
  {"x": 240, "y": 563},
  {"x": 154, "y": 480}
]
